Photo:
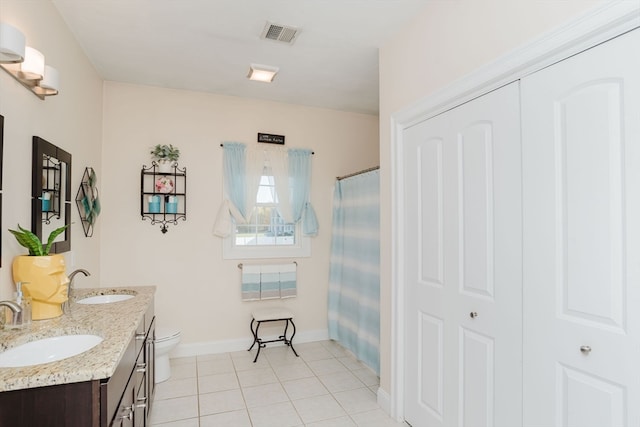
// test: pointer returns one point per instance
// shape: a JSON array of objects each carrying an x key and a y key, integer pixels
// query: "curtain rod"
[
  {"x": 358, "y": 173},
  {"x": 313, "y": 152}
]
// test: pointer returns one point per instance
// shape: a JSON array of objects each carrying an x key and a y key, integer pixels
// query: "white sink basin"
[
  {"x": 47, "y": 350},
  {"x": 105, "y": 299}
]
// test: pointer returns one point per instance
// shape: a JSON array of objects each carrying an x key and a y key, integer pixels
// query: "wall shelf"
[{"x": 163, "y": 195}]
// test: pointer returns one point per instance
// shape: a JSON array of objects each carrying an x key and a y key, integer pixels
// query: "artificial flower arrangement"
[{"x": 164, "y": 184}]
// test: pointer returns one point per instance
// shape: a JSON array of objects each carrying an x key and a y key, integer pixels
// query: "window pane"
[{"x": 265, "y": 228}]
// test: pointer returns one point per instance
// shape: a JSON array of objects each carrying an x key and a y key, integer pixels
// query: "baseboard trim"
[
  {"x": 384, "y": 400},
  {"x": 225, "y": 346}
]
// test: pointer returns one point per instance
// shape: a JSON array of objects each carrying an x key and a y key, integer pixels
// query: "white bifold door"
[
  {"x": 462, "y": 265},
  {"x": 581, "y": 193}
]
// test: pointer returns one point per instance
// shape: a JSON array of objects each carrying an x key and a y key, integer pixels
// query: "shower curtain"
[{"x": 354, "y": 278}]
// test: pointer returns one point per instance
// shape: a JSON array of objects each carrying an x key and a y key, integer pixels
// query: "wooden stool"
[{"x": 271, "y": 315}]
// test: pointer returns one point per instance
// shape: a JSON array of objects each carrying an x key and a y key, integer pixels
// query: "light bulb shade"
[
  {"x": 12, "y": 44},
  {"x": 50, "y": 82},
  {"x": 33, "y": 66},
  {"x": 262, "y": 73}
]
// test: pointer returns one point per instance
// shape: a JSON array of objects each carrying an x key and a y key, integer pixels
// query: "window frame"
[{"x": 301, "y": 248}]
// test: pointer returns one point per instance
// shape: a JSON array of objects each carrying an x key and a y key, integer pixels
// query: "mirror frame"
[{"x": 41, "y": 148}]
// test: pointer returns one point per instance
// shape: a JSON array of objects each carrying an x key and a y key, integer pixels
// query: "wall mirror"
[{"x": 51, "y": 193}]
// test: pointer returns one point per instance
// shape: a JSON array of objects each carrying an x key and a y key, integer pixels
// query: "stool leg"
[
  {"x": 260, "y": 345},
  {"x": 254, "y": 333},
  {"x": 290, "y": 341}
]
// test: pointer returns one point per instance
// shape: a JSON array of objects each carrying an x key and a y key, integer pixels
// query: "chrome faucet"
[
  {"x": 15, "y": 308},
  {"x": 72, "y": 275}
]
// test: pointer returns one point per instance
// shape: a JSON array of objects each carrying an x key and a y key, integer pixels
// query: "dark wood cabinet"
[{"x": 122, "y": 400}]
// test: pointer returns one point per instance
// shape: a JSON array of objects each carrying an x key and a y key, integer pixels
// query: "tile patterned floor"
[{"x": 324, "y": 387}]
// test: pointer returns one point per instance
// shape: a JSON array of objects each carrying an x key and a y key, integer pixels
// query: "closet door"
[
  {"x": 581, "y": 194},
  {"x": 462, "y": 265}
]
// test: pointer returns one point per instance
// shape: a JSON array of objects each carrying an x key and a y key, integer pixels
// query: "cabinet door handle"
[
  {"x": 140, "y": 337},
  {"x": 141, "y": 367},
  {"x": 129, "y": 415}
]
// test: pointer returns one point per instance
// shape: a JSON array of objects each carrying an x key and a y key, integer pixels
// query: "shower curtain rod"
[
  {"x": 358, "y": 173},
  {"x": 313, "y": 152}
]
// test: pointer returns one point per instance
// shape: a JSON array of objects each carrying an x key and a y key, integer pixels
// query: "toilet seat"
[{"x": 166, "y": 334}]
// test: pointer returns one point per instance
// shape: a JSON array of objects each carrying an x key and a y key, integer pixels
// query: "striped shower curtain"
[{"x": 354, "y": 278}]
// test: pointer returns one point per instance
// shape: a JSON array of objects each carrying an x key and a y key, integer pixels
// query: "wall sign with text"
[{"x": 271, "y": 139}]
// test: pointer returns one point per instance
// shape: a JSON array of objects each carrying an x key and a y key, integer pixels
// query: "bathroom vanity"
[{"x": 112, "y": 384}]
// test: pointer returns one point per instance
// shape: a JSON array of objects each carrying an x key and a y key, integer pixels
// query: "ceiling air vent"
[{"x": 280, "y": 33}]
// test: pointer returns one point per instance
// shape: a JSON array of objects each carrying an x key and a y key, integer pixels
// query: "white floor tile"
[
  {"x": 257, "y": 377},
  {"x": 276, "y": 415},
  {"x": 351, "y": 363},
  {"x": 367, "y": 376},
  {"x": 177, "y": 409},
  {"x": 325, "y": 387},
  {"x": 182, "y": 360},
  {"x": 176, "y": 388},
  {"x": 318, "y": 408},
  {"x": 293, "y": 371},
  {"x": 226, "y": 419},
  {"x": 314, "y": 354},
  {"x": 215, "y": 356},
  {"x": 246, "y": 363},
  {"x": 191, "y": 422},
  {"x": 185, "y": 370},
  {"x": 334, "y": 422},
  {"x": 359, "y": 400},
  {"x": 211, "y": 367},
  {"x": 218, "y": 382},
  {"x": 264, "y": 395},
  {"x": 326, "y": 366},
  {"x": 340, "y": 381},
  {"x": 375, "y": 418},
  {"x": 335, "y": 349},
  {"x": 303, "y": 388},
  {"x": 221, "y": 401}
]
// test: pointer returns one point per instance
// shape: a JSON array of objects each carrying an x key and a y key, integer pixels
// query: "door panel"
[
  {"x": 581, "y": 186},
  {"x": 463, "y": 265}
]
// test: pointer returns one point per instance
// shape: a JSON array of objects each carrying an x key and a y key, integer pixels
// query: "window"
[
  {"x": 266, "y": 227},
  {"x": 266, "y": 235}
]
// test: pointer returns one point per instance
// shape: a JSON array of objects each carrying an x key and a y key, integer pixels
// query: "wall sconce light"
[
  {"x": 26, "y": 64},
  {"x": 12, "y": 44},
  {"x": 262, "y": 73}
]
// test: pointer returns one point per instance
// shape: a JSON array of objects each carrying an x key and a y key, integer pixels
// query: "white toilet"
[{"x": 166, "y": 340}]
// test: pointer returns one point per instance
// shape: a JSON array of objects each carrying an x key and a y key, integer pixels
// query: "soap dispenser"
[{"x": 23, "y": 318}]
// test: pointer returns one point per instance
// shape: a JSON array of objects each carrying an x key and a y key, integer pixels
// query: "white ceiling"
[{"x": 208, "y": 45}]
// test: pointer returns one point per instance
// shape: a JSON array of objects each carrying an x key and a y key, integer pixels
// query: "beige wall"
[
  {"x": 198, "y": 291},
  {"x": 447, "y": 41},
  {"x": 72, "y": 120}
]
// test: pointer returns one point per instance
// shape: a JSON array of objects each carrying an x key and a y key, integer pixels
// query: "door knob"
[
  {"x": 585, "y": 349},
  {"x": 473, "y": 314}
]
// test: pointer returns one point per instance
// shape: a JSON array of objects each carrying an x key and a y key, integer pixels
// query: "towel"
[
  {"x": 269, "y": 281},
  {"x": 288, "y": 280},
  {"x": 250, "y": 282}
]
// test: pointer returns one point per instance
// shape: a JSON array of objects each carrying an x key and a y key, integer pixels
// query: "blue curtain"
[
  {"x": 300, "y": 179},
  {"x": 354, "y": 278},
  {"x": 234, "y": 175}
]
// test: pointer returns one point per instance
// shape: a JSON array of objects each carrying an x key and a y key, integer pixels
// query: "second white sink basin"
[
  {"x": 105, "y": 299},
  {"x": 47, "y": 350}
]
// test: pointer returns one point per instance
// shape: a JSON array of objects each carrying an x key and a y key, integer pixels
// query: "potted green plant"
[
  {"x": 42, "y": 275},
  {"x": 30, "y": 241},
  {"x": 165, "y": 156}
]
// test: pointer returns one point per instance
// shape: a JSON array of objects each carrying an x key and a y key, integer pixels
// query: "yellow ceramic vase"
[{"x": 45, "y": 281}]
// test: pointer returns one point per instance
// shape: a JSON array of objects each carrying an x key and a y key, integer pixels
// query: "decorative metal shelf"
[
  {"x": 87, "y": 201},
  {"x": 163, "y": 195}
]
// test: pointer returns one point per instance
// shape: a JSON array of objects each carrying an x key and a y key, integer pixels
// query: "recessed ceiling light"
[{"x": 262, "y": 73}]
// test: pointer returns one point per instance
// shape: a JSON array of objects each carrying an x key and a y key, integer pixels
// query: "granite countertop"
[{"x": 116, "y": 323}]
